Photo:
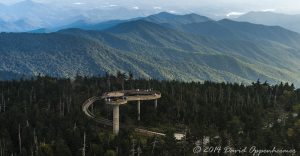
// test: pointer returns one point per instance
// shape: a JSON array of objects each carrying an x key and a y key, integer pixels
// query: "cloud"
[
  {"x": 235, "y": 14},
  {"x": 157, "y": 8},
  {"x": 172, "y": 11},
  {"x": 136, "y": 8},
  {"x": 113, "y": 5},
  {"x": 78, "y": 3},
  {"x": 268, "y": 10}
]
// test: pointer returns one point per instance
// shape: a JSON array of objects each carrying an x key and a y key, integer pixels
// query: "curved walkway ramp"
[
  {"x": 85, "y": 109},
  {"x": 121, "y": 98}
]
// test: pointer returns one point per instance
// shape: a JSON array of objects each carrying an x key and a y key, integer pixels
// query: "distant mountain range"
[
  {"x": 50, "y": 17},
  {"x": 33, "y": 16},
  {"x": 291, "y": 22},
  {"x": 161, "y": 46},
  {"x": 82, "y": 24}
]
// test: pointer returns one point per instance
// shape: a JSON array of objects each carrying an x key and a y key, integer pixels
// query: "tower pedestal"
[
  {"x": 116, "y": 124},
  {"x": 139, "y": 110}
]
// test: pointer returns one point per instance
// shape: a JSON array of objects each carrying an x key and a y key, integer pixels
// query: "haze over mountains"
[
  {"x": 291, "y": 22},
  {"x": 29, "y": 15},
  {"x": 51, "y": 15},
  {"x": 162, "y": 46}
]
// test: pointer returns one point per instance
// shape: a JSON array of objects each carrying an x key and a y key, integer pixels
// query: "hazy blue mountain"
[
  {"x": 18, "y": 16},
  {"x": 168, "y": 18},
  {"x": 237, "y": 52},
  {"x": 27, "y": 6},
  {"x": 165, "y": 18},
  {"x": 52, "y": 18},
  {"x": 41, "y": 30},
  {"x": 82, "y": 24},
  {"x": 291, "y": 22},
  {"x": 15, "y": 26}
]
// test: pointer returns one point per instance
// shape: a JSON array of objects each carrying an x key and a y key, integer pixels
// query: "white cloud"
[
  {"x": 172, "y": 11},
  {"x": 268, "y": 10},
  {"x": 136, "y": 8},
  {"x": 78, "y": 3},
  {"x": 157, "y": 8},
  {"x": 235, "y": 14},
  {"x": 113, "y": 5}
]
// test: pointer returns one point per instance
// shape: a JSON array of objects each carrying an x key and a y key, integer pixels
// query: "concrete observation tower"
[{"x": 118, "y": 98}]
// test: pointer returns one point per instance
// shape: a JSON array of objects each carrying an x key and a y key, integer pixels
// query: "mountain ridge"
[
  {"x": 152, "y": 50},
  {"x": 291, "y": 22}
]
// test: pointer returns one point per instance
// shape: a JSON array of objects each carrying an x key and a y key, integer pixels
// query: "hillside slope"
[
  {"x": 153, "y": 50},
  {"x": 291, "y": 22}
]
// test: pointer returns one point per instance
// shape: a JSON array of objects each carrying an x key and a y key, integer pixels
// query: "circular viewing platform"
[
  {"x": 122, "y": 97},
  {"x": 117, "y": 98}
]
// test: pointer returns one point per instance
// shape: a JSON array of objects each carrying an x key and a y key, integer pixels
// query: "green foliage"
[
  {"x": 110, "y": 153},
  {"x": 51, "y": 121},
  {"x": 61, "y": 149},
  {"x": 185, "y": 50},
  {"x": 46, "y": 150}
]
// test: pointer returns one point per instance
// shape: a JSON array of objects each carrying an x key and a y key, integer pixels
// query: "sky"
[{"x": 230, "y": 6}]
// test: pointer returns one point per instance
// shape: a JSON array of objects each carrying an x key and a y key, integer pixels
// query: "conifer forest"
[{"x": 43, "y": 117}]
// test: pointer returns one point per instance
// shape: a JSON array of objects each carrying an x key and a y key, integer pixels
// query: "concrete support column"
[
  {"x": 116, "y": 125},
  {"x": 155, "y": 104},
  {"x": 139, "y": 110}
]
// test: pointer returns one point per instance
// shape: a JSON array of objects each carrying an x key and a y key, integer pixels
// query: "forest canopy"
[{"x": 43, "y": 116}]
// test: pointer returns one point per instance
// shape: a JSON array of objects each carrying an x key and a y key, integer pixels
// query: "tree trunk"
[
  {"x": 83, "y": 148},
  {"x": 35, "y": 142},
  {"x": 1, "y": 102},
  {"x": 20, "y": 140}
]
